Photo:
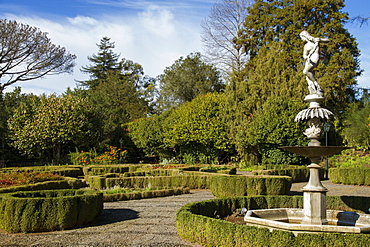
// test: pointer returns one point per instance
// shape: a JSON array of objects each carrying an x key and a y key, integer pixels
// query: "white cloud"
[
  {"x": 82, "y": 20},
  {"x": 158, "y": 21},
  {"x": 153, "y": 38}
]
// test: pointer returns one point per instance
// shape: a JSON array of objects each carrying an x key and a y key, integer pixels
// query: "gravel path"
[{"x": 146, "y": 222}]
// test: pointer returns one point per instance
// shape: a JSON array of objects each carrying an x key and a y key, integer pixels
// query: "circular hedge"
[
  {"x": 226, "y": 186},
  {"x": 48, "y": 210},
  {"x": 201, "y": 223}
]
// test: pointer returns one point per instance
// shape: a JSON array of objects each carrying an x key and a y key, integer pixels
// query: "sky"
[{"x": 153, "y": 33}]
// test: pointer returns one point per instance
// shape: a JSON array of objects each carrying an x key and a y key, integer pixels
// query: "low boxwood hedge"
[
  {"x": 189, "y": 181},
  {"x": 104, "y": 169},
  {"x": 226, "y": 186},
  {"x": 351, "y": 176},
  {"x": 66, "y": 171},
  {"x": 48, "y": 210},
  {"x": 145, "y": 194},
  {"x": 200, "y": 223},
  {"x": 67, "y": 183},
  {"x": 301, "y": 174}
]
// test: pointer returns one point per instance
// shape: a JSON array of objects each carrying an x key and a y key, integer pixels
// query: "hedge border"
[
  {"x": 300, "y": 174},
  {"x": 161, "y": 182},
  {"x": 226, "y": 186},
  {"x": 48, "y": 210},
  {"x": 67, "y": 183},
  {"x": 66, "y": 171},
  {"x": 198, "y": 223},
  {"x": 350, "y": 176},
  {"x": 144, "y": 194}
]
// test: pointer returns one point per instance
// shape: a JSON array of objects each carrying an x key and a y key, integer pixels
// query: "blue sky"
[{"x": 153, "y": 33}]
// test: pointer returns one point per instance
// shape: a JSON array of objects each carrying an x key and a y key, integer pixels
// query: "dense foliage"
[
  {"x": 185, "y": 80},
  {"x": 189, "y": 114},
  {"x": 274, "y": 72},
  {"x": 48, "y": 123}
]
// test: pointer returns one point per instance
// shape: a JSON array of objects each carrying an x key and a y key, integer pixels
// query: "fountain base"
[{"x": 292, "y": 219}]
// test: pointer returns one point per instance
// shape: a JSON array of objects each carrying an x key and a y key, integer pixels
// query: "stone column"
[{"x": 314, "y": 198}]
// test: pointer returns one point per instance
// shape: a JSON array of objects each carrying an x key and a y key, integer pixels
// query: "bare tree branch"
[
  {"x": 220, "y": 30},
  {"x": 26, "y": 54}
]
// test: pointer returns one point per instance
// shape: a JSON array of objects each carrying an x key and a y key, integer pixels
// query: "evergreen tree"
[
  {"x": 281, "y": 21},
  {"x": 271, "y": 38},
  {"x": 105, "y": 60},
  {"x": 117, "y": 89}
]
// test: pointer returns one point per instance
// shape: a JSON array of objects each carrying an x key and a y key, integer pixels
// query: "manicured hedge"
[
  {"x": 189, "y": 181},
  {"x": 351, "y": 176},
  {"x": 145, "y": 194},
  {"x": 226, "y": 186},
  {"x": 48, "y": 210},
  {"x": 298, "y": 174},
  {"x": 67, "y": 183},
  {"x": 66, "y": 171},
  {"x": 200, "y": 223},
  {"x": 104, "y": 169}
]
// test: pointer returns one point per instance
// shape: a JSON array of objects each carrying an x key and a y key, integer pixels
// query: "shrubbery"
[
  {"x": 50, "y": 210},
  {"x": 351, "y": 176},
  {"x": 225, "y": 186},
  {"x": 298, "y": 174}
]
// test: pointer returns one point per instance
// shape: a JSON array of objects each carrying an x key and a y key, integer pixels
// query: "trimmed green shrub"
[
  {"x": 351, "y": 176},
  {"x": 48, "y": 210},
  {"x": 67, "y": 183},
  {"x": 145, "y": 194},
  {"x": 200, "y": 223},
  {"x": 298, "y": 174},
  {"x": 104, "y": 169},
  {"x": 189, "y": 181},
  {"x": 96, "y": 182},
  {"x": 225, "y": 186},
  {"x": 66, "y": 171}
]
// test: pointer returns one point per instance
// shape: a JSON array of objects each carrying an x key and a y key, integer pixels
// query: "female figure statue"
[{"x": 311, "y": 56}]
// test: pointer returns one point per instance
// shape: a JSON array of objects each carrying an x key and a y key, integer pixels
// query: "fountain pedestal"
[{"x": 314, "y": 199}]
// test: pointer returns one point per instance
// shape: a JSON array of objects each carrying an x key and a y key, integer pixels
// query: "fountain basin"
[{"x": 290, "y": 219}]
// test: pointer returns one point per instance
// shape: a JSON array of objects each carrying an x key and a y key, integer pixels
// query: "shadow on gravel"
[
  {"x": 110, "y": 216},
  {"x": 295, "y": 193}
]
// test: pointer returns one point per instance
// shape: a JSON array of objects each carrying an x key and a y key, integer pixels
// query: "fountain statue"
[{"x": 314, "y": 216}]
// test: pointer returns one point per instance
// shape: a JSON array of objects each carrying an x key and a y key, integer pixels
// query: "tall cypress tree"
[{"x": 275, "y": 69}]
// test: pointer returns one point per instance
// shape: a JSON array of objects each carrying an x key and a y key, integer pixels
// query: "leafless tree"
[
  {"x": 220, "y": 31},
  {"x": 26, "y": 53}
]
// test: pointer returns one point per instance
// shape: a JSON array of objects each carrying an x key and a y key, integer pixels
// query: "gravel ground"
[{"x": 147, "y": 222}]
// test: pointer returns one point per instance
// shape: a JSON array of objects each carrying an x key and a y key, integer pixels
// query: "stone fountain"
[{"x": 314, "y": 216}]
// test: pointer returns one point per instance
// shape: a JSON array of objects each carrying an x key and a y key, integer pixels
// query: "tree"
[
  {"x": 26, "y": 53},
  {"x": 281, "y": 21},
  {"x": 270, "y": 37},
  {"x": 148, "y": 135},
  {"x": 50, "y": 123},
  {"x": 103, "y": 62},
  {"x": 220, "y": 31},
  {"x": 118, "y": 90},
  {"x": 117, "y": 101},
  {"x": 356, "y": 130},
  {"x": 185, "y": 80},
  {"x": 197, "y": 131}
]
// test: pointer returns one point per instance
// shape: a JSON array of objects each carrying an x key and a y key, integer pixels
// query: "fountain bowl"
[{"x": 290, "y": 219}]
